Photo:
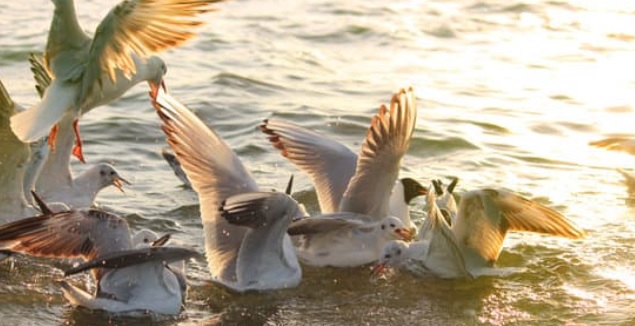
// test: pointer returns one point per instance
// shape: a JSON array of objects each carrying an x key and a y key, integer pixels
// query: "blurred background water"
[{"x": 510, "y": 93}]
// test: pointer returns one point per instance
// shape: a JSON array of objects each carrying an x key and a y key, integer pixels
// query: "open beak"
[
  {"x": 162, "y": 240},
  {"x": 118, "y": 182},
  {"x": 404, "y": 234},
  {"x": 378, "y": 270},
  {"x": 154, "y": 88}
]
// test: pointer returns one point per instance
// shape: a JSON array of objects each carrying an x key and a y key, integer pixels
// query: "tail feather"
[
  {"x": 36, "y": 122},
  {"x": 79, "y": 297}
]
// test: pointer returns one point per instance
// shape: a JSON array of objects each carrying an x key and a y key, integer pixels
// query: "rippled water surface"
[{"x": 510, "y": 94}]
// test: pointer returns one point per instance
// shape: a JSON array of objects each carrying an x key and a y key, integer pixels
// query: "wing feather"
[
  {"x": 485, "y": 216},
  {"x": 71, "y": 234},
  {"x": 329, "y": 163},
  {"x": 378, "y": 164},
  {"x": 327, "y": 223},
  {"x": 122, "y": 259},
  {"x": 444, "y": 256},
  {"x": 144, "y": 27},
  {"x": 215, "y": 172},
  {"x": 40, "y": 73}
]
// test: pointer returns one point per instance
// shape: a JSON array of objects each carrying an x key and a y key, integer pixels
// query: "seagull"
[
  {"x": 89, "y": 72},
  {"x": 337, "y": 239},
  {"x": 472, "y": 245},
  {"x": 435, "y": 253},
  {"x": 265, "y": 248},
  {"x": 131, "y": 277},
  {"x": 236, "y": 255},
  {"x": 344, "y": 239},
  {"x": 49, "y": 172},
  {"x": 80, "y": 192},
  {"x": 346, "y": 182}
]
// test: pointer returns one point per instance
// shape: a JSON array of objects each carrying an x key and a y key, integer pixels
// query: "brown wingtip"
[
  {"x": 289, "y": 186},
  {"x": 273, "y": 137},
  {"x": 43, "y": 207}
]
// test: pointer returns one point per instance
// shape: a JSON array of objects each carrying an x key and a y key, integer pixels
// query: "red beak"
[
  {"x": 118, "y": 183},
  {"x": 154, "y": 89},
  {"x": 404, "y": 233},
  {"x": 378, "y": 270}
]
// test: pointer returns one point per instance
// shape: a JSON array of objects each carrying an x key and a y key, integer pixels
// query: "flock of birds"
[{"x": 254, "y": 239}]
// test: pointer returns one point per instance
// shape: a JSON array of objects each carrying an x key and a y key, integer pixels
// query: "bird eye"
[
  {"x": 387, "y": 256},
  {"x": 392, "y": 225},
  {"x": 398, "y": 251},
  {"x": 146, "y": 240},
  {"x": 102, "y": 172},
  {"x": 383, "y": 227}
]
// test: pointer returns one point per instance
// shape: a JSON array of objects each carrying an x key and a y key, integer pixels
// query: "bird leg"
[
  {"x": 77, "y": 149},
  {"x": 53, "y": 137}
]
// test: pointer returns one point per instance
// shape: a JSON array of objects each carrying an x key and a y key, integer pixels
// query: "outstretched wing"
[
  {"x": 486, "y": 215},
  {"x": 140, "y": 27},
  {"x": 122, "y": 259},
  {"x": 329, "y": 163},
  {"x": 215, "y": 172},
  {"x": 71, "y": 234},
  {"x": 338, "y": 222},
  {"x": 379, "y": 161}
]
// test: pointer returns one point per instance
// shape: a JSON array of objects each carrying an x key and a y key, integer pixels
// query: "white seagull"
[
  {"x": 80, "y": 192},
  {"x": 365, "y": 184},
  {"x": 472, "y": 245},
  {"x": 344, "y": 239},
  {"x": 129, "y": 279},
  {"x": 89, "y": 72},
  {"x": 256, "y": 256}
]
